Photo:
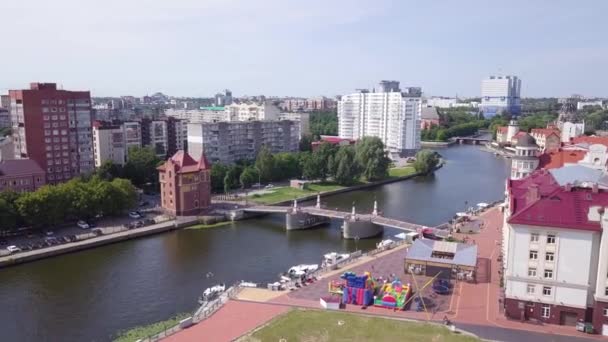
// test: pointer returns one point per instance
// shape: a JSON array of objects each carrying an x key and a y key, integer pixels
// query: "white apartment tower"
[
  {"x": 387, "y": 113},
  {"x": 500, "y": 94}
]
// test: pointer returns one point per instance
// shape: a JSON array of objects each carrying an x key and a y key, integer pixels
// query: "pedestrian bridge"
[{"x": 355, "y": 225}]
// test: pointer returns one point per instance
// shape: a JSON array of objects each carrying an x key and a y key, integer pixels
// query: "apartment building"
[
  {"x": 500, "y": 94},
  {"x": 228, "y": 142},
  {"x": 112, "y": 141},
  {"x": 203, "y": 114},
  {"x": 308, "y": 104},
  {"x": 303, "y": 120},
  {"x": 555, "y": 247},
  {"x": 252, "y": 111},
  {"x": 154, "y": 133},
  {"x": 177, "y": 135},
  {"x": 388, "y": 113},
  {"x": 53, "y": 127}
]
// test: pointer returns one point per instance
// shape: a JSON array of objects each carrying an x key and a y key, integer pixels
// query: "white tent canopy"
[{"x": 483, "y": 205}]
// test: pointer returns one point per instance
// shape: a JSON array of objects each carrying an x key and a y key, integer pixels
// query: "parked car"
[
  {"x": 49, "y": 233},
  {"x": 82, "y": 225},
  {"x": 134, "y": 215},
  {"x": 269, "y": 186},
  {"x": 13, "y": 249}
]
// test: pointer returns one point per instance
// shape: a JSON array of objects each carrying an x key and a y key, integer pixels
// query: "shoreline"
[{"x": 99, "y": 241}]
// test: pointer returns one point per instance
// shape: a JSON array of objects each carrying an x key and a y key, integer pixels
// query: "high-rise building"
[
  {"x": 154, "y": 133},
  {"x": 53, "y": 127},
  {"x": 250, "y": 111},
  {"x": 112, "y": 141},
  {"x": 5, "y": 102},
  {"x": 228, "y": 142},
  {"x": 177, "y": 135},
  {"x": 390, "y": 114},
  {"x": 500, "y": 94},
  {"x": 223, "y": 99}
]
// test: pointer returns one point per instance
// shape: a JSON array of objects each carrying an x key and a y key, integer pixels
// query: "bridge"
[
  {"x": 355, "y": 225},
  {"x": 471, "y": 140}
]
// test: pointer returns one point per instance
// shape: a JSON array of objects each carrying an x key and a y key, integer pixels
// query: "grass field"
[
  {"x": 137, "y": 333},
  {"x": 316, "y": 325},
  {"x": 288, "y": 193},
  {"x": 401, "y": 171}
]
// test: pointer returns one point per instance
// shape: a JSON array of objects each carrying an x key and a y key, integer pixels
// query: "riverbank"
[
  {"x": 437, "y": 144},
  {"x": 23, "y": 257}
]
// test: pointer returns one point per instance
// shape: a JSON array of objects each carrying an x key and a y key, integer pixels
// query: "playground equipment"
[
  {"x": 393, "y": 295},
  {"x": 441, "y": 286},
  {"x": 358, "y": 290}
]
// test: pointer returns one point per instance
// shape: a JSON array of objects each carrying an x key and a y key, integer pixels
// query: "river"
[{"x": 91, "y": 295}]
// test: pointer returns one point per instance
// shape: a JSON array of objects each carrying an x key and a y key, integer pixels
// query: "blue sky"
[{"x": 304, "y": 48}]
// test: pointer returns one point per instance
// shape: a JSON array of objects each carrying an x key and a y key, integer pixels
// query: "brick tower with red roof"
[{"x": 185, "y": 185}]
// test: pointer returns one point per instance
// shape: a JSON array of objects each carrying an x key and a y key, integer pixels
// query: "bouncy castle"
[
  {"x": 358, "y": 290},
  {"x": 393, "y": 295}
]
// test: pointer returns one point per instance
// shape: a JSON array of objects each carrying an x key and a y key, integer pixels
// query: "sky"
[{"x": 303, "y": 47}]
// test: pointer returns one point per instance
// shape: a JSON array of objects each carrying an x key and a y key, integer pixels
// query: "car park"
[{"x": 82, "y": 225}]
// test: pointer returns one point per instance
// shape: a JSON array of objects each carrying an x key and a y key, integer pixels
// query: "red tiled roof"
[
  {"x": 590, "y": 140},
  {"x": 19, "y": 167},
  {"x": 519, "y": 134},
  {"x": 538, "y": 200},
  {"x": 501, "y": 129},
  {"x": 184, "y": 163},
  {"x": 559, "y": 158},
  {"x": 334, "y": 139},
  {"x": 545, "y": 131}
]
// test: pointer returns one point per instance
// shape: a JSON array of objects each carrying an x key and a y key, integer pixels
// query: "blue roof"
[{"x": 578, "y": 174}]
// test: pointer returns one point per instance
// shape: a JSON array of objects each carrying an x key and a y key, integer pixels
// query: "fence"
[{"x": 203, "y": 312}]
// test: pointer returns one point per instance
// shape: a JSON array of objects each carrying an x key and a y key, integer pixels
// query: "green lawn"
[
  {"x": 281, "y": 194},
  {"x": 137, "y": 333},
  {"x": 316, "y": 325},
  {"x": 401, "y": 171}
]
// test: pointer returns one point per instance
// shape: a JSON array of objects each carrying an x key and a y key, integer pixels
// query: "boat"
[
  {"x": 386, "y": 244},
  {"x": 248, "y": 284},
  {"x": 211, "y": 292},
  {"x": 334, "y": 258},
  {"x": 301, "y": 270}
]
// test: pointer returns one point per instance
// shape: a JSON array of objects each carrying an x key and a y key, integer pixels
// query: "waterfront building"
[
  {"x": 185, "y": 185},
  {"x": 500, "y": 94},
  {"x": 21, "y": 175},
  {"x": 546, "y": 138},
  {"x": 228, "y": 142},
  {"x": 507, "y": 135},
  {"x": 389, "y": 113},
  {"x": 252, "y": 111},
  {"x": 555, "y": 247},
  {"x": 525, "y": 160},
  {"x": 329, "y": 139},
  {"x": 429, "y": 117},
  {"x": 53, "y": 127}
]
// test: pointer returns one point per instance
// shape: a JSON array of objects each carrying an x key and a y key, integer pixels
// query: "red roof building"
[
  {"x": 185, "y": 184},
  {"x": 590, "y": 140},
  {"x": 330, "y": 139},
  {"x": 546, "y": 138},
  {"x": 557, "y": 158}
]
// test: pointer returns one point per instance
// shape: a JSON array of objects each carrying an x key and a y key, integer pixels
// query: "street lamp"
[{"x": 356, "y": 243}]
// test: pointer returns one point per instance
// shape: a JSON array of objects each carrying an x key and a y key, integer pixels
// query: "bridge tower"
[
  {"x": 318, "y": 201},
  {"x": 375, "y": 212}
]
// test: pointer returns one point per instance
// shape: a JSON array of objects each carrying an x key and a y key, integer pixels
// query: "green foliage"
[
  {"x": 149, "y": 330},
  {"x": 248, "y": 177},
  {"x": 287, "y": 166},
  {"x": 52, "y": 205},
  {"x": 596, "y": 120},
  {"x": 264, "y": 162},
  {"x": 537, "y": 120},
  {"x": 426, "y": 161},
  {"x": 218, "y": 173},
  {"x": 305, "y": 143},
  {"x": 231, "y": 179},
  {"x": 5, "y": 131},
  {"x": 347, "y": 170},
  {"x": 141, "y": 166},
  {"x": 108, "y": 170},
  {"x": 323, "y": 123},
  {"x": 372, "y": 159}
]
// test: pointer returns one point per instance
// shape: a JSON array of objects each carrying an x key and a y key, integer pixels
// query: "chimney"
[
  {"x": 595, "y": 188},
  {"x": 533, "y": 194},
  {"x": 568, "y": 187}
]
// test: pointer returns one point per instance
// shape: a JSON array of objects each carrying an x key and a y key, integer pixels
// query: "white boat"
[
  {"x": 300, "y": 270},
  {"x": 388, "y": 243},
  {"x": 334, "y": 258},
  {"x": 211, "y": 292}
]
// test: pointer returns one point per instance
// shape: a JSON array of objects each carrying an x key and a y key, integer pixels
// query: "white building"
[
  {"x": 112, "y": 142},
  {"x": 204, "y": 114},
  {"x": 500, "y": 94},
  {"x": 441, "y": 102},
  {"x": 570, "y": 130},
  {"x": 582, "y": 104},
  {"x": 156, "y": 135},
  {"x": 251, "y": 111},
  {"x": 555, "y": 247},
  {"x": 390, "y": 114},
  {"x": 303, "y": 119},
  {"x": 525, "y": 160}
]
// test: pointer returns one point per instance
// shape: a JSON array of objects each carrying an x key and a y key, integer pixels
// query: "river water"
[{"x": 91, "y": 295}]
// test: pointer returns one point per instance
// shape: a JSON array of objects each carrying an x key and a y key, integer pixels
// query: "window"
[
  {"x": 546, "y": 290},
  {"x": 533, "y": 255},
  {"x": 534, "y": 237},
  {"x": 530, "y": 289},
  {"x": 531, "y": 272},
  {"x": 549, "y": 256},
  {"x": 605, "y": 311},
  {"x": 550, "y": 239},
  {"x": 606, "y": 291},
  {"x": 545, "y": 311},
  {"x": 549, "y": 274}
]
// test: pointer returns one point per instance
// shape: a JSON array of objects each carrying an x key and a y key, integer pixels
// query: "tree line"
[
  {"x": 343, "y": 164},
  {"x": 140, "y": 168},
  {"x": 77, "y": 199}
]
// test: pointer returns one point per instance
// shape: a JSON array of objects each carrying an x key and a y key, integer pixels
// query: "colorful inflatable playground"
[{"x": 365, "y": 290}]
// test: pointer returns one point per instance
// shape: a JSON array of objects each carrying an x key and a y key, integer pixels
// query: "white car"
[
  {"x": 269, "y": 186},
  {"x": 134, "y": 215},
  {"x": 13, "y": 249},
  {"x": 82, "y": 225}
]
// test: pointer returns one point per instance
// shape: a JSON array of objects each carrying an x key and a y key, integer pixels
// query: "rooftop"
[
  {"x": 213, "y": 108},
  {"x": 545, "y": 131},
  {"x": 184, "y": 163},
  {"x": 429, "y": 113},
  {"x": 424, "y": 249},
  {"x": 590, "y": 140},
  {"x": 559, "y": 158},
  {"x": 19, "y": 167}
]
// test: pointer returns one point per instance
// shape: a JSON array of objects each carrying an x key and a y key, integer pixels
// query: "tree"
[
  {"x": 323, "y": 159},
  {"x": 218, "y": 173},
  {"x": 231, "y": 180},
  {"x": 305, "y": 143},
  {"x": 141, "y": 166},
  {"x": 323, "y": 123},
  {"x": 9, "y": 213},
  {"x": 426, "y": 162},
  {"x": 346, "y": 169},
  {"x": 312, "y": 166},
  {"x": 287, "y": 166},
  {"x": 371, "y": 157},
  {"x": 248, "y": 177},
  {"x": 264, "y": 162},
  {"x": 108, "y": 170}
]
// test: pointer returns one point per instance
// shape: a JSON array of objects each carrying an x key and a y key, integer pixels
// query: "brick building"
[
  {"x": 21, "y": 175},
  {"x": 185, "y": 184},
  {"x": 53, "y": 127}
]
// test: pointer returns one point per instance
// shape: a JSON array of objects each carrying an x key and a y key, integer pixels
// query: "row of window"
[
  {"x": 548, "y": 273},
  {"x": 53, "y": 109},
  {"x": 549, "y": 256},
  {"x": 56, "y": 140},
  {"x": 53, "y": 117},
  {"x": 48, "y": 132},
  {"x": 534, "y": 237},
  {"x": 531, "y": 289}
]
